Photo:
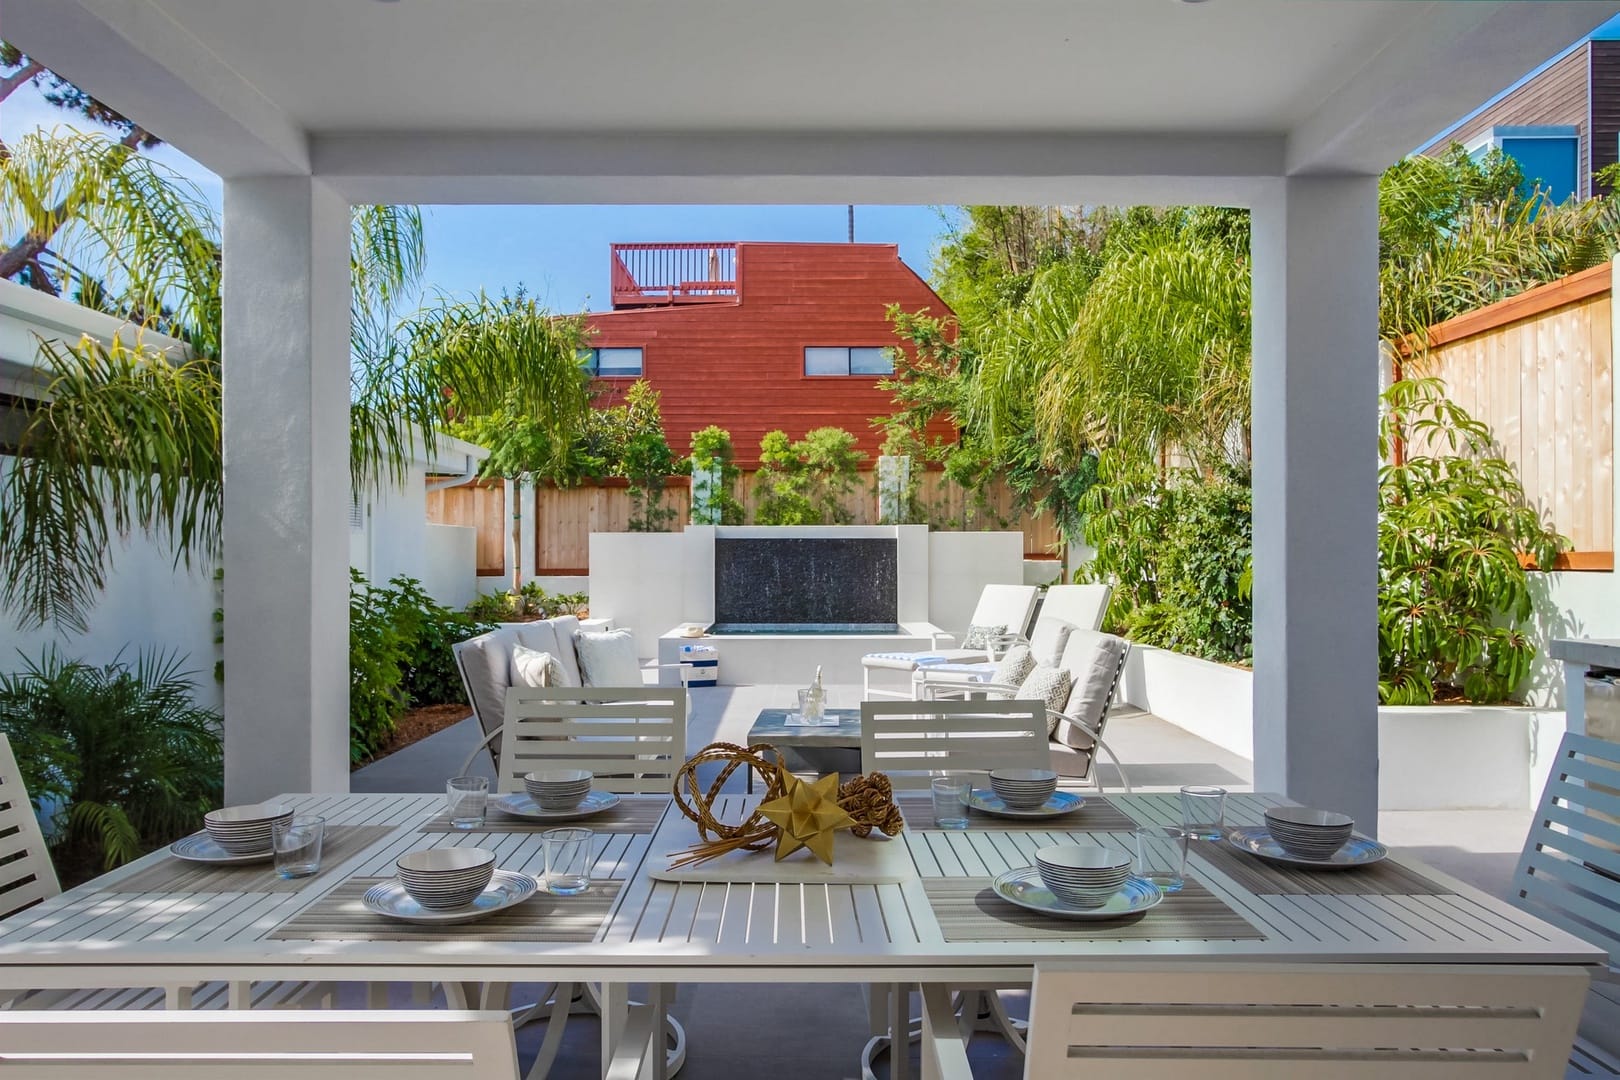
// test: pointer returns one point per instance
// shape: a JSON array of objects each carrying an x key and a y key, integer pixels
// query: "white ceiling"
[{"x": 792, "y": 65}]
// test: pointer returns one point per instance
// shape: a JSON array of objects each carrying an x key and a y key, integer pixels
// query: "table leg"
[
  {"x": 239, "y": 995},
  {"x": 899, "y": 1031},
  {"x": 615, "y": 1014}
]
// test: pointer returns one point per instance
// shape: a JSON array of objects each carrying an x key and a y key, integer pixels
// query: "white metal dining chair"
[
  {"x": 27, "y": 876},
  {"x": 1256, "y": 1021},
  {"x": 910, "y": 741},
  {"x": 1569, "y": 875},
  {"x": 334, "y": 1045}
]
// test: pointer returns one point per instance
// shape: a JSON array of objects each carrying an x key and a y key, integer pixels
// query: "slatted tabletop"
[{"x": 764, "y": 930}]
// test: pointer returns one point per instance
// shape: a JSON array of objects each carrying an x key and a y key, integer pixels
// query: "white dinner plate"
[
  {"x": 200, "y": 847},
  {"x": 1061, "y": 802},
  {"x": 1024, "y": 888},
  {"x": 506, "y": 888},
  {"x": 1357, "y": 851},
  {"x": 520, "y": 805}
]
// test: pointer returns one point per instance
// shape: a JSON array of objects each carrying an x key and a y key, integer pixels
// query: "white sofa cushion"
[
  {"x": 486, "y": 661},
  {"x": 539, "y": 636},
  {"x": 608, "y": 658},
  {"x": 531, "y": 667},
  {"x": 1048, "y": 641},
  {"x": 1093, "y": 658},
  {"x": 566, "y": 627}
]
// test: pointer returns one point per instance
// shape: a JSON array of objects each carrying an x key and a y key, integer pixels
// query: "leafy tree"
[
  {"x": 783, "y": 484},
  {"x": 711, "y": 447}
]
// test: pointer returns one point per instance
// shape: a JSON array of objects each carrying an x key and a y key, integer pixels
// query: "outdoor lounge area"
[{"x": 1062, "y": 539}]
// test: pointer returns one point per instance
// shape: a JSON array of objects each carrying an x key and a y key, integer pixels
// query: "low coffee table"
[{"x": 824, "y": 749}]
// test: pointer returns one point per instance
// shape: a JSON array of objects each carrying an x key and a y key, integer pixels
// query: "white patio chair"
[
  {"x": 1064, "y": 610},
  {"x": 27, "y": 875},
  {"x": 1569, "y": 875},
  {"x": 1096, "y": 663},
  {"x": 1255, "y": 1021},
  {"x": 274, "y": 1046},
  {"x": 910, "y": 742},
  {"x": 634, "y": 740},
  {"x": 1006, "y": 606}
]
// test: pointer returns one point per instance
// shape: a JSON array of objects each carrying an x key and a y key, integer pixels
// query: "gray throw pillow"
[
  {"x": 1014, "y": 667},
  {"x": 983, "y": 637},
  {"x": 1049, "y": 685}
]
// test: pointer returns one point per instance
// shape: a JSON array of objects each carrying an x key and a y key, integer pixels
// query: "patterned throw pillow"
[
  {"x": 531, "y": 667},
  {"x": 1050, "y": 685},
  {"x": 982, "y": 637},
  {"x": 1015, "y": 666}
]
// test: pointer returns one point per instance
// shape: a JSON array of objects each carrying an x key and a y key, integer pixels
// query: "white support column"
[
  {"x": 286, "y": 431},
  {"x": 529, "y": 501},
  {"x": 1315, "y": 378}
]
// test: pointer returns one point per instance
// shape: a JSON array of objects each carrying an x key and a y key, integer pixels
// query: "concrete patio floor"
[{"x": 816, "y": 1032}]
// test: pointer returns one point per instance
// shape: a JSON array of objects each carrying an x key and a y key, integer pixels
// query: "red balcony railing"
[{"x": 652, "y": 275}]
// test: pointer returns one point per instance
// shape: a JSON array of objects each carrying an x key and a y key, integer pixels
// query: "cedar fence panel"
[{"x": 1539, "y": 369}]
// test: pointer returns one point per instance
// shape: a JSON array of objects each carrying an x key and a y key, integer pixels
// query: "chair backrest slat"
[
  {"x": 273, "y": 1045},
  {"x": 26, "y": 873},
  {"x": 1008, "y": 606},
  {"x": 1283, "y": 1021},
  {"x": 1569, "y": 871},
  {"x": 909, "y": 740},
  {"x": 633, "y": 738}
]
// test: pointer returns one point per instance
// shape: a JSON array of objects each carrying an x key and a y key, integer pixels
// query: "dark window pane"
[{"x": 587, "y": 359}]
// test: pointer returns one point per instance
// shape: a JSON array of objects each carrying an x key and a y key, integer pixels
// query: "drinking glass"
[
  {"x": 1203, "y": 812},
  {"x": 950, "y": 801},
  {"x": 568, "y": 860},
  {"x": 812, "y": 708},
  {"x": 467, "y": 798},
  {"x": 1161, "y": 856},
  {"x": 297, "y": 845}
]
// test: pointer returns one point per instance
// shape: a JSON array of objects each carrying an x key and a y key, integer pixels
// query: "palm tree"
[{"x": 125, "y": 439}]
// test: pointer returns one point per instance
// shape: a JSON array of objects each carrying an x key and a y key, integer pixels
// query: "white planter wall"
[{"x": 1431, "y": 757}]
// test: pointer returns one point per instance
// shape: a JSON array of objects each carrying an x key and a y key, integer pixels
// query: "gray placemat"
[
  {"x": 1098, "y": 815},
  {"x": 180, "y": 876},
  {"x": 1275, "y": 879},
  {"x": 968, "y": 910},
  {"x": 632, "y": 815},
  {"x": 340, "y": 916}
]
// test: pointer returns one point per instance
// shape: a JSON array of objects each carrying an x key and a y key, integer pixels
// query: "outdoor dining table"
[{"x": 161, "y": 923}]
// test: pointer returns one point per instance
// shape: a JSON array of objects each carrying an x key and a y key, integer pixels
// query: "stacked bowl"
[
  {"x": 558, "y": 789},
  {"x": 1023, "y": 789},
  {"x": 1308, "y": 834},
  {"x": 1084, "y": 875},
  {"x": 245, "y": 830},
  {"x": 443, "y": 878}
]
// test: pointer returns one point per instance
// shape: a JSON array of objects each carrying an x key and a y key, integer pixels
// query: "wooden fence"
[
  {"x": 566, "y": 517},
  {"x": 1539, "y": 369}
]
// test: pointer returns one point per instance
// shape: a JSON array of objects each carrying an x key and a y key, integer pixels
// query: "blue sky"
[{"x": 561, "y": 252}]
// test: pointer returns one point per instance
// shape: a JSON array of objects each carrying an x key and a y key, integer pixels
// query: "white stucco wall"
[
  {"x": 148, "y": 604},
  {"x": 961, "y": 564},
  {"x": 638, "y": 581},
  {"x": 1569, "y": 604}
]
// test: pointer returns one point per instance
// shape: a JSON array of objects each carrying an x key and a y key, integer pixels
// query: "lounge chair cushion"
[
  {"x": 1094, "y": 660},
  {"x": 1014, "y": 667},
  {"x": 566, "y": 627},
  {"x": 487, "y": 662},
  {"x": 911, "y": 661},
  {"x": 1046, "y": 684},
  {"x": 538, "y": 636},
  {"x": 533, "y": 668},
  {"x": 983, "y": 638},
  {"x": 608, "y": 657},
  {"x": 1049, "y": 639}
]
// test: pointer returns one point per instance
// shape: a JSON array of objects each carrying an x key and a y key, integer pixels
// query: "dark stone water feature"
[{"x": 805, "y": 585}]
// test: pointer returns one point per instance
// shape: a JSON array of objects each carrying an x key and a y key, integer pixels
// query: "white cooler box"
[{"x": 700, "y": 665}]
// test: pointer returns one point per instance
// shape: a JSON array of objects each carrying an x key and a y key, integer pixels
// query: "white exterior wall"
[
  {"x": 961, "y": 564},
  {"x": 638, "y": 581}
]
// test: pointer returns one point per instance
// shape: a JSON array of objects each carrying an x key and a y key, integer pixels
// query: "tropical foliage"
[
  {"x": 118, "y": 756},
  {"x": 808, "y": 481},
  {"x": 712, "y": 448},
  {"x": 1453, "y": 594}
]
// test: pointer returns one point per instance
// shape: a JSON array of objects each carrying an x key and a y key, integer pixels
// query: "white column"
[
  {"x": 529, "y": 501},
  {"x": 1315, "y": 376},
  {"x": 286, "y": 431}
]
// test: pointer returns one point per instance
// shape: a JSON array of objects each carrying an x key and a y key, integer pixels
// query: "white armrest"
[
  {"x": 940, "y": 636},
  {"x": 1124, "y": 780}
]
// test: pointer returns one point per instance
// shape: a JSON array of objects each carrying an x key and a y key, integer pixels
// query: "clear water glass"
[
  {"x": 467, "y": 799},
  {"x": 1203, "y": 812},
  {"x": 950, "y": 801},
  {"x": 568, "y": 860},
  {"x": 297, "y": 845},
  {"x": 1161, "y": 856}
]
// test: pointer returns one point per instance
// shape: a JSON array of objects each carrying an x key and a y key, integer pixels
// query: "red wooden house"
[{"x": 757, "y": 336}]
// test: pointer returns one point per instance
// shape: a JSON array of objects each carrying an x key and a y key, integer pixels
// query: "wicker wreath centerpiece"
[{"x": 794, "y": 813}]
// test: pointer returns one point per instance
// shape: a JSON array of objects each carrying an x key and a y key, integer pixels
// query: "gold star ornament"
[{"x": 807, "y": 816}]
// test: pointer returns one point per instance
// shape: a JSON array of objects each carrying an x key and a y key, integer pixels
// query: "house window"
[
  {"x": 1548, "y": 156},
  {"x": 848, "y": 360},
  {"x": 611, "y": 362}
]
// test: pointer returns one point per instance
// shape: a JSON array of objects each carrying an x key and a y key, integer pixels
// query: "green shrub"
[
  {"x": 710, "y": 447},
  {"x": 377, "y": 657},
  {"x": 783, "y": 484},
  {"x": 122, "y": 751},
  {"x": 807, "y": 482},
  {"x": 1452, "y": 522}
]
